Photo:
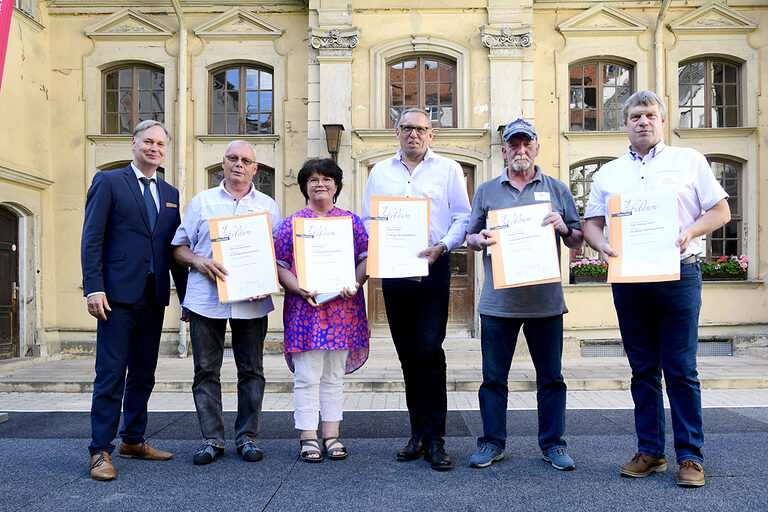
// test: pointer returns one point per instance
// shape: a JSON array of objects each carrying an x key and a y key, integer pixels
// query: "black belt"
[{"x": 690, "y": 259}]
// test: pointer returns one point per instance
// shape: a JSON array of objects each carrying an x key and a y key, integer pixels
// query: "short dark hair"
[{"x": 323, "y": 167}]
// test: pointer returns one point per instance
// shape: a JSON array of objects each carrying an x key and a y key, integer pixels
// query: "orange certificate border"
[
  {"x": 374, "y": 240},
  {"x": 615, "y": 241},
  {"x": 497, "y": 257},
  {"x": 299, "y": 251},
  {"x": 213, "y": 228}
]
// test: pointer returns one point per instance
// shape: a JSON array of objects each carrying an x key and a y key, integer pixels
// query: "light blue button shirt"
[{"x": 202, "y": 296}]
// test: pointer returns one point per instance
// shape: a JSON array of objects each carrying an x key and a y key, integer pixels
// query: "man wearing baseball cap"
[{"x": 538, "y": 309}]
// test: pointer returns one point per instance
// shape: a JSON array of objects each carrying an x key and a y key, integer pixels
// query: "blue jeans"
[
  {"x": 659, "y": 329},
  {"x": 207, "y": 336},
  {"x": 545, "y": 343}
]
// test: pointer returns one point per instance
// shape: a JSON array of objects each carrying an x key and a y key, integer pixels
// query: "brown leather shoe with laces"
[
  {"x": 643, "y": 465},
  {"x": 142, "y": 451},
  {"x": 101, "y": 467},
  {"x": 691, "y": 474}
]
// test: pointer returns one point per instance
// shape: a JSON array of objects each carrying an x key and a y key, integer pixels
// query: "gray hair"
[
  {"x": 414, "y": 109},
  {"x": 226, "y": 150},
  {"x": 149, "y": 123},
  {"x": 646, "y": 98}
]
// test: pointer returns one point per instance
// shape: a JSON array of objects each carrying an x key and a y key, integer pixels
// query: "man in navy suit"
[{"x": 131, "y": 215}]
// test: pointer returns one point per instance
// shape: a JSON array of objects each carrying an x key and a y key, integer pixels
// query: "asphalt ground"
[{"x": 43, "y": 466}]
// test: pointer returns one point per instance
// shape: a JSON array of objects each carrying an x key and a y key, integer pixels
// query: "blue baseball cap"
[{"x": 519, "y": 126}]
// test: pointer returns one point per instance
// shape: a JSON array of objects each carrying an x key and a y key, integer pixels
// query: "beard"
[{"x": 520, "y": 164}]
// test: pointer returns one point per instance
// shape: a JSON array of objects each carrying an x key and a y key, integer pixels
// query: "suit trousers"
[
  {"x": 417, "y": 312},
  {"x": 128, "y": 339}
]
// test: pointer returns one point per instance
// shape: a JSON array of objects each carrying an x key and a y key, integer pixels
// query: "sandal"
[
  {"x": 334, "y": 450},
  {"x": 309, "y": 448}
]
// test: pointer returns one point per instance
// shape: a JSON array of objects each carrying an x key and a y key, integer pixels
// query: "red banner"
[{"x": 6, "y": 10}]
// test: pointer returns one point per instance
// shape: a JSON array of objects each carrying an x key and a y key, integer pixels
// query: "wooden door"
[
  {"x": 9, "y": 284},
  {"x": 461, "y": 305}
]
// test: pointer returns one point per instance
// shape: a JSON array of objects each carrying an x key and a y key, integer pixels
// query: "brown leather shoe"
[
  {"x": 143, "y": 451},
  {"x": 691, "y": 474},
  {"x": 643, "y": 465},
  {"x": 101, "y": 467}
]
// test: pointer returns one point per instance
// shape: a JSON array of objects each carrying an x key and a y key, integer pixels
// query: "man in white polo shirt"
[{"x": 659, "y": 321}]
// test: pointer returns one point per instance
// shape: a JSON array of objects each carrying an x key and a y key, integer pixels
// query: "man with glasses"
[
  {"x": 208, "y": 317},
  {"x": 417, "y": 309},
  {"x": 538, "y": 309}
]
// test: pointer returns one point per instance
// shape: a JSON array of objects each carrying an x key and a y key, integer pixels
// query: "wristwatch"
[
  {"x": 445, "y": 247},
  {"x": 569, "y": 233}
]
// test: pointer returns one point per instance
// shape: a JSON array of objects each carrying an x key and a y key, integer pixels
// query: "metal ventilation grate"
[
  {"x": 602, "y": 350},
  {"x": 715, "y": 349}
]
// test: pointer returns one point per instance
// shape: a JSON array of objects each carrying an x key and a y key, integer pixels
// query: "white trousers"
[{"x": 318, "y": 385}]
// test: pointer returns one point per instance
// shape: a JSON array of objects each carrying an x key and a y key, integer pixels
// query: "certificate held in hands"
[
  {"x": 643, "y": 230},
  {"x": 399, "y": 231},
  {"x": 324, "y": 252},
  {"x": 243, "y": 245},
  {"x": 525, "y": 252}
]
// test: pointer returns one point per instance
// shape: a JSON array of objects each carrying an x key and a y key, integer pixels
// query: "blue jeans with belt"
[
  {"x": 659, "y": 328},
  {"x": 545, "y": 343}
]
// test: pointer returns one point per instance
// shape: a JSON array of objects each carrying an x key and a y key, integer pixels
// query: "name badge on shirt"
[{"x": 541, "y": 196}]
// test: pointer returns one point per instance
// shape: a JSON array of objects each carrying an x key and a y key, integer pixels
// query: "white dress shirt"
[
  {"x": 202, "y": 296},
  {"x": 438, "y": 178},
  {"x": 152, "y": 184}
]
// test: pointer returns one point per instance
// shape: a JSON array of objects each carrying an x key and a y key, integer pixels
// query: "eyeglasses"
[
  {"x": 246, "y": 161},
  {"x": 327, "y": 181},
  {"x": 407, "y": 129}
]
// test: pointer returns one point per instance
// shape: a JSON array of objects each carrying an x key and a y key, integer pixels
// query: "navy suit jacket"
[{"x": 117, "y": 242}]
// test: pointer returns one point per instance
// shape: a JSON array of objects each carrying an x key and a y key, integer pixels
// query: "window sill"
[
  {"x": 388, "y": 134},
  {"x": 252, "y": 139},
  {"x": 620, "y": 134},
  {"x": 697, "y": 133}
]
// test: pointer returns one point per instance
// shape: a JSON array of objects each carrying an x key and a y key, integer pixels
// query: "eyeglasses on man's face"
[
  {"x": 408, "y": 128},
  {"x": 246, "y": 161}
]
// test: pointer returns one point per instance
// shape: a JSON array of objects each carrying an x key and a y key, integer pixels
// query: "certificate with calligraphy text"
[
  {"x": 643, "y": 228},
  {"x": 399, "y": 231},
  {"x": 324, "y": 252},
  {"x": 243, "y": 245},
  {"x": 525, "y": 252}
]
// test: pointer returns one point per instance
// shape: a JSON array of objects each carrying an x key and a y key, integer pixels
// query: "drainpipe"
[
  {"x": 658, "y": 48},
  {"x": 181, "y": 140}
]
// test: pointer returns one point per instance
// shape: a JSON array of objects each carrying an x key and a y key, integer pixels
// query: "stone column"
[{"x": 331, "y": 99}]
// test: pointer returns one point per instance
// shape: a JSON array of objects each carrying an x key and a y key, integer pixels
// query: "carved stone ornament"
[
  {"x": 334, "y": 39},
  {"x": 505, "y": 37}
]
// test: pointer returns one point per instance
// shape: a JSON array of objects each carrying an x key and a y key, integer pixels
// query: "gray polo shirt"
[{"x": 534, "y": 301}]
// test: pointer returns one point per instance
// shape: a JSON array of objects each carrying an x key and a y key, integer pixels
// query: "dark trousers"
[
  {"x": 659, "y": 328},
  {"x": 207, "y": 336},
  {"x": 129, "y": 338},
  {"x": 545, "y": 343},
  {"x": 417, "y": 313}
]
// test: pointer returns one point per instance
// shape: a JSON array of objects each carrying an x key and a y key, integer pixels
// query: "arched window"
[
  {"x": 582, "y": 176},
  {"x": 598, "y": 90},
  {"x": 241, "y": 101},
  {"x": 727, "y": 240},
  {"x": 132, "y": 94},
  {"x": 709, "y": 93},
  {"x": 423, "y": 82},
  {"x": 263, "y": 180}
]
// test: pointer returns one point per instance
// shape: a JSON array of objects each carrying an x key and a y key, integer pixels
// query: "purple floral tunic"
[{"x": 339, "y": 324}]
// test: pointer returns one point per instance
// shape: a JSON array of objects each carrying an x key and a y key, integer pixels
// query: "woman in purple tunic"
[{"x": 325, "y": 341}]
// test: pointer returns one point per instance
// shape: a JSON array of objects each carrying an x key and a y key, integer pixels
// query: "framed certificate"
[
  {"x": 243, "y": 245},
  {"x": 399, "y": 231},
  {"x": 525, "y": 252},
  {"x": 643, "y": 229},
  {"x": 324, "y": 252}
]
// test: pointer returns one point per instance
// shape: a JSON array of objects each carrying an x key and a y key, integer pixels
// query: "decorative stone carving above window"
[
  {"x": 128, "y": 23},
  {"x": 237, "y": 23},
  {"x": 600, "y": 19},
  {"x": 713, "y": 17},
  {"x": 334, "y": 41},
  {"x": 506, "y": 37}
]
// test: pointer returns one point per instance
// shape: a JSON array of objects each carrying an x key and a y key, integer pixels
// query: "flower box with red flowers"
[
  {"x": 588, "y": 270},
  {"x": 724, "y": 268}
]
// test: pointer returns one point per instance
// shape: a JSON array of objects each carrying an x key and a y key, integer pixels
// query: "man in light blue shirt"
[{"x": 208, "y": 317}]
